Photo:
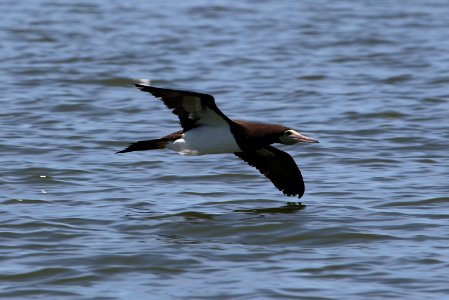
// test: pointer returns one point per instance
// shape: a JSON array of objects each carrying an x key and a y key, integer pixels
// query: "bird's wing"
[
  {"x": 278, "y": 166},
  {"x": 193, "y": 109}
]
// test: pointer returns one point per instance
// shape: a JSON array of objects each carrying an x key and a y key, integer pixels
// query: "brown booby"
[{"x": 206, "y": 130}]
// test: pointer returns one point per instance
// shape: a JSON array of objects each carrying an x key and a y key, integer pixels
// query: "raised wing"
[
  {"x": 193, "y": 109},
  {"x": 278, "y": 166}
]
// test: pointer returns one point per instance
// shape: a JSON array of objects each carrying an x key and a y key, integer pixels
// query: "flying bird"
[{"x": 206, "y": 130}]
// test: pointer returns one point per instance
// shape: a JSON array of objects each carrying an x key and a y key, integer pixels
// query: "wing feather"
[
  {"x": 193, "y": 109},
  {"x": 278, "y": 166}
]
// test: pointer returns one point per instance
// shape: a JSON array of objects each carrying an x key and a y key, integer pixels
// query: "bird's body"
[
  {"x": 205, "y": 140},
  {"x": 206, "y": 130}
]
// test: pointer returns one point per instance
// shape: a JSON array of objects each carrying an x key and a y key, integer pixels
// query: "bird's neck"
[{"x": 252, "y": 136}]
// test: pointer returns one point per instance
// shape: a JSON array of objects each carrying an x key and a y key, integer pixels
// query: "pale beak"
[{"x": 302, "y": 138}]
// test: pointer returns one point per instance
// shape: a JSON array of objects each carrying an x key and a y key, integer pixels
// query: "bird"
[{"x": 207, "y": 130}]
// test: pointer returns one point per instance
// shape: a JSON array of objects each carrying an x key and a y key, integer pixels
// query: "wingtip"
[
  {"x": 141, "y": 86},
  {"x": 123, "y": 151}
]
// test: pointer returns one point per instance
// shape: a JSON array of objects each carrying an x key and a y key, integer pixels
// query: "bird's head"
[{"x": 290, "y": 137}]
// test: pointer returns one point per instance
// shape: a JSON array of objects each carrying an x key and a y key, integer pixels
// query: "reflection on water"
[{"x": 290, "y": 207}]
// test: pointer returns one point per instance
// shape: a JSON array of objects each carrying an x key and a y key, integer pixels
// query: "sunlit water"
[{"x": 369, "y": 79}]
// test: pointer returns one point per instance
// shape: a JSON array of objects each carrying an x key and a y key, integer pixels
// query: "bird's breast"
[{"x": 206, "y": 140}]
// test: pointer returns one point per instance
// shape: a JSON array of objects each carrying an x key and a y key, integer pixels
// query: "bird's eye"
[{"x": 288, "y": 132}]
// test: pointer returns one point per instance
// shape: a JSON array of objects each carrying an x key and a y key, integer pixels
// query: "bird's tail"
[{"x": 146, "y": 145}]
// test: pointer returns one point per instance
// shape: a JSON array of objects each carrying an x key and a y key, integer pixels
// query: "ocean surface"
[{"x": 368, "y": 79}]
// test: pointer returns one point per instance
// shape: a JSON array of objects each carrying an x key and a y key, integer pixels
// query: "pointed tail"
[{"x": 146, "y": 145}]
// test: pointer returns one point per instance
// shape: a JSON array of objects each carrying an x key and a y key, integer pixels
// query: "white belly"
[{"x": 206, "y": 140}]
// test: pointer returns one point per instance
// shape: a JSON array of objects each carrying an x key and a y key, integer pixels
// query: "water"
[{"x": 369, "y": 79}]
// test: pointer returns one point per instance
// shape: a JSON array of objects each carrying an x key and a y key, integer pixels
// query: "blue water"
[{"x": 369, "y": 79}]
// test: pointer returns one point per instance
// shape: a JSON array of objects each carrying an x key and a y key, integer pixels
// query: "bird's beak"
[{"x": 302, "y": 138}]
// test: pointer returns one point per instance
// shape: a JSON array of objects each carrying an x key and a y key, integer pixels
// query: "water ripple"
[{"x": 368, "y": 79}]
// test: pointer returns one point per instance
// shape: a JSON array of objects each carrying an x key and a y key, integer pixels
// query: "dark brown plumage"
[
  {"x": 278, "y": 166},
  {"x": 188, "y": 106},
  {"x": 252, "y": 141}
]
